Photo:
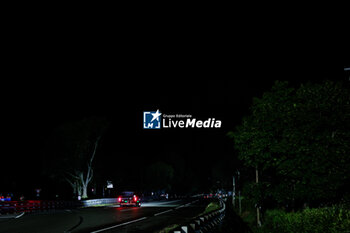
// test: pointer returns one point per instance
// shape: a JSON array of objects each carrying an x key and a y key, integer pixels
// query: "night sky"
[{"x": 44, "y": 91}]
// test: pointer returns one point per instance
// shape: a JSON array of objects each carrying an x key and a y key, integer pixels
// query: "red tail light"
[
  {"x": 135, "y": 198},
  {"x": 119, "y": 199}
]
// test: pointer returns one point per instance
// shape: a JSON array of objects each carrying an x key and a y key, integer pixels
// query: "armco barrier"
[
  {"x": 205, "y": 223},
  {"x": 11, "y": 207},
  {"x": 99, "y": 202}
]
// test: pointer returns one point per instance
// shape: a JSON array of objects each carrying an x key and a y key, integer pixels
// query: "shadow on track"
[{"x": 232, "y": 222}]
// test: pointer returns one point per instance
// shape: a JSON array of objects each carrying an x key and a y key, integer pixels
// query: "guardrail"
[
  {"x": 205, "y": 223},
  {"x": 11, "y": 207},
  {"x": 99, "y": 202}
]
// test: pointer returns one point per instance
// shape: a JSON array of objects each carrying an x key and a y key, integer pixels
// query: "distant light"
[{"x": 109, "y": 184}]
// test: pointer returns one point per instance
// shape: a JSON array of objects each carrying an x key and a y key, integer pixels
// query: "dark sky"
[
  {"x": 33, "y": 109},
  {"x": 46, "y": 85}
]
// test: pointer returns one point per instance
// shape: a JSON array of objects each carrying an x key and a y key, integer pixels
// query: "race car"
[{"x": 129, "y": 198}]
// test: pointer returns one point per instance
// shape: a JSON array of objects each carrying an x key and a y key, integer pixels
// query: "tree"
[
  {"x": 72, "y": 151},
  {"x": 298, "y": 139},
  {"x": 80, "y": 179}
]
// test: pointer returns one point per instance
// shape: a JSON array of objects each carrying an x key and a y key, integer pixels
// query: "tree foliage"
[
  {"x": 318, "y": 220},
  {"x": 298, "y": 138}
]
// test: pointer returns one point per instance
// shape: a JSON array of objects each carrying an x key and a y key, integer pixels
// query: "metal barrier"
[
  {"x": 11, "y": 207},
  {"x": 99, "y": 202},
  {"x": 205, "y": 223}
]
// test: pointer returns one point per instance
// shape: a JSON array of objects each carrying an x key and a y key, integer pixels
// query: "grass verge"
[{"x": 168, "y": 229}]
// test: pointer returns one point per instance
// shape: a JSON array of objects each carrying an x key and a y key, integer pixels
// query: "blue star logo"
[{"x": 151, "y": 120}]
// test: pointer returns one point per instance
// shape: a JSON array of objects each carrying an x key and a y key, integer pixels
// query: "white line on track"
[
  {"x": 123, "y": 210},
  {"x": 181, "y": 206},
  {"x": 119, "y": 225},
  {"x": 12, "y": 216},
  {"x": 140, "y": 219},
  {"x": 163, "y": 212},
  {"x": 18, "y": 216}
]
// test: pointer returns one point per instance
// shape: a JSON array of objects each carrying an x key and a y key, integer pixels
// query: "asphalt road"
[{"x": 150, "y": 217}]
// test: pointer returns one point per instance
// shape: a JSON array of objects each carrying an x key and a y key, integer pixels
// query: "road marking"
[
  {"x": 123, "y": 210},
  {"x": 18, "y": 216},
  {"x": 12, "y": 216},
  {"x": 180, "y": 207},
  {"x": 119, "y": 225},
  {"x": 185, "y": 205},
  {"x": 75, "y": 226},
  {"x": 163, "y": 212}
]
